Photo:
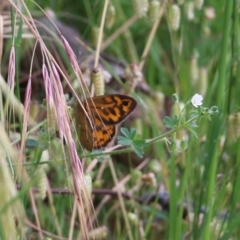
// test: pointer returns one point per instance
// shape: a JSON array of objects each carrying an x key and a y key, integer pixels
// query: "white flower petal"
[{"x": 197, "y": 100}]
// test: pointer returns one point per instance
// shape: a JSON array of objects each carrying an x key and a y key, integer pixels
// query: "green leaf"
[
  {"x": 168, "y": 122},
  {"x": 194, "y": 114},
  {"x": 31, "y": 143},
  {"x": 193, "y": 132},
  {"x": 128, "y": 140},
  {"x": 175, "y": 120},
  {"x": 124, "y": 141},
  {"x": 171, "y": 122},
  {"x": 125, "y": 132},
  {"x": 133, "y": 132},
  {"x": 137, "y": 150},
  {"x": 140, "y": 142},
  {"x": 193, "y": 124}
]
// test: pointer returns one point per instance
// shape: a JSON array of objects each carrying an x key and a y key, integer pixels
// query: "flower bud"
[
  {"x": 155, "y": 166},
  {"x": 175, "y": 97},
  {"x": 154, "y": 10},
  {"x": 110, "y": 18},
  {"x": 180, "y": 2},
  {"x": 135, "y": 175},
  {"x": 184, "y": 144},
  {"x": 198, "y": 4},
  {"x": 233, "y": 127},
  {"x": 149, "y": 179},
  {"x": 140, "y": 7},
  {"x": 174, "y": 17},
  {"x": 210, "y": 13},
  {"x": 98, "y": 233},
  {"x": 202, "y": 82},
  {"x": 98, "y": 81},
  {"x": 42, "y": 183},
  {"x": 95, "y": 35},
  {"x": 88, "y": 180},
  {"x": 194, "y": 71},
  {"x": 133, "y": 218},
  {"x": 190, "y": 11}
]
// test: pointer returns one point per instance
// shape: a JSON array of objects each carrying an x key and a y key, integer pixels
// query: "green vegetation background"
[{"x": 208, "y": 171}]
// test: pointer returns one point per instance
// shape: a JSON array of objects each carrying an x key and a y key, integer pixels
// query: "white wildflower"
[{"x": 197, "y": 100}]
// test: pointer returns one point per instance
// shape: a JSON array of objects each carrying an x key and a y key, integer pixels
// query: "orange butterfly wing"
[{"x": 104, "y": 113}]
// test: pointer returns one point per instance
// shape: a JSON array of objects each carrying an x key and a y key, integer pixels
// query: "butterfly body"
[{"x": 98, "y": 128}]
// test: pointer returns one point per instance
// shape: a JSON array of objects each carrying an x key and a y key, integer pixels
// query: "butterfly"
[{"x": 98, "y": 128}]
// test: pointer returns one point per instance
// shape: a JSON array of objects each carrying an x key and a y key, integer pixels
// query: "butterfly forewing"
[
  {"x": 98, "y": 129},
  {"x": 110, "y": 109}
]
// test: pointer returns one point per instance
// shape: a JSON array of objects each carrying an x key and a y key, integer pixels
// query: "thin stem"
[
  {"x": 151, "y": 36},
  {"x": 172, "y": 131},
  {"x": 119, "y": 31},
  {"x": 120, "y": 197},
  {"x": 101, "y": 34},
  {"x": 173, "y": 194},
  {"x": 149, "y": 141}
]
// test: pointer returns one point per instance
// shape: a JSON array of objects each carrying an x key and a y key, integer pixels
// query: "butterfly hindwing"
[{"x": 102, "y": 137}]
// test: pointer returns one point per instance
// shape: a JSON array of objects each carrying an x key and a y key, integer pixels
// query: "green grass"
[{"x": 192, "y": 156}]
